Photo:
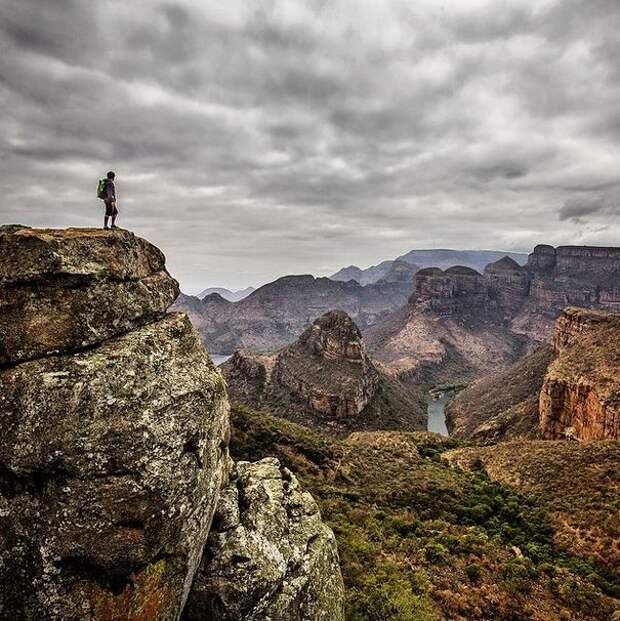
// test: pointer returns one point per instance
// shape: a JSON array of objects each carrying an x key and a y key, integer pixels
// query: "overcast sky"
[{"x": 254, "y": 139}]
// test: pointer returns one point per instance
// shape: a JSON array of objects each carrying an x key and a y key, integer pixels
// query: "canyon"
[
  {"x": 115, "y": 472},
  {"x": 566, "y": 390},
  {"x": 277, "y": 313}
]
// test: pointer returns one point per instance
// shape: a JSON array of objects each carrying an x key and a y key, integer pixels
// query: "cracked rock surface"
[{"x": 269, "y": 557}]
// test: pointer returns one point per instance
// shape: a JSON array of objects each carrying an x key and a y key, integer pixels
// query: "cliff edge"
[{"x": 580, "y": 396}]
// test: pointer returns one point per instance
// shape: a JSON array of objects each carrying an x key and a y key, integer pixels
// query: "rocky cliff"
[
  {"x": 114, "y": 432},
  {"x": 325, "y": 378},
  {"x": 449, "y": 329},
  {"x": 580, "y": 396},
  {"x": 459, "y": 324},
  {"x": 582, "y": 276},
  {"x": 277, "y": 313},
  {"x": 503, "y": 404}
]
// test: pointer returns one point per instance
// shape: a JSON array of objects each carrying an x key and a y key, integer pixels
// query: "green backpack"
[{"x": 101, "y": 193}]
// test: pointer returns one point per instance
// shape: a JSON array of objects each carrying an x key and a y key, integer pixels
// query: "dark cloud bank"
[{"x": 258, "y": 138}]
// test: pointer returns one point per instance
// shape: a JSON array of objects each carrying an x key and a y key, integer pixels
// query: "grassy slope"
[
  {"x": 421, "y": 540},
  {"x": 503, "y": 404},
  {"x": 578, "y": 483}
]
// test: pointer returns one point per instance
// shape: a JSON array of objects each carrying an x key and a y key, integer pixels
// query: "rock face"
[
  {"x": 277, "y": 313},
  {"x": 65, "y": 290},
  {"x": 502, "y": 405},
  {"x": 327, "y": 379},
  {"x": 450, "y": 328},
  {"x": 582, "y": 276},
  {"x": 508, "y": 284},
  {"x": 457, "y": 291},
  {"x": 269, "y": 555},
  {"x": 113, "y": 431},
  {"x": 580, "y": 396}
]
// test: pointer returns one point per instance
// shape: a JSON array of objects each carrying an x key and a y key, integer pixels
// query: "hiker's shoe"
[
  {"x": 114, "y": 226},
  {"x": 106, "y": 228}
]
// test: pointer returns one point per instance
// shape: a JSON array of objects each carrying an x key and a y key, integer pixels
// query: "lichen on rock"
[
  {"x": 269, "y": 555},
  {"x": 112, "y": 451}
]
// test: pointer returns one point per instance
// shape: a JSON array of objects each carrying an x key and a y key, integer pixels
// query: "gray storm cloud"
[{"x": 253, "y": 139}]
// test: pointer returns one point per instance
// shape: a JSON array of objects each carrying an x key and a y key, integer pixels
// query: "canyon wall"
[
  {"x": 459, "y": 324},
  {"x": 325, "y": 379},
  {"x": 580, "y": 396}
]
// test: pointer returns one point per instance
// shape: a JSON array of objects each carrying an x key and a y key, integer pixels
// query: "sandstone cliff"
[
  {"x": 582, "y": 276},
  {"x": 503, "y": 404},
  {"x": 325, "y": 379},
  {"x": 449, "y": 329},
  {"x": 580, "y": 396},
  {"x": 460, "y": 324},
  {"x": 114, "y": 428}
]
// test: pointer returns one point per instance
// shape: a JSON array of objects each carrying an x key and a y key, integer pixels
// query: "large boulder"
[
  {"x": 113, "y": 431},
  {"x": 269, "y": 555},
  {"x": 111, "y": 461},
  {"x": 63, "y": 290}
]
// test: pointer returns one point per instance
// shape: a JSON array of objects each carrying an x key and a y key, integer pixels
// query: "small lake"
[
  {"x": 219, "y": 359},
  {"x": 436, "y": 409}
]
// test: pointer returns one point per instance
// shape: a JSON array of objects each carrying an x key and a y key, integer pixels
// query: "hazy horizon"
[{"x": 253, "y": 140}]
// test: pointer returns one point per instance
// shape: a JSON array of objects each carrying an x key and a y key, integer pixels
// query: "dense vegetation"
[{"x": 421, "y": 540}]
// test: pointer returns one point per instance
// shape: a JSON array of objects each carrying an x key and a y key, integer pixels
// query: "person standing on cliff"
[{"x": 106, "y": 191}]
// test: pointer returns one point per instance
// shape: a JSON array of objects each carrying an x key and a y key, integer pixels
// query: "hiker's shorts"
[{"x": 110, "y": 208}]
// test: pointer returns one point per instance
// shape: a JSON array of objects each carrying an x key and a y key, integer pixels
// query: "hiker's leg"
[
  {"x": 114, "y": 214},
  {"x": 105, "y": 221}
]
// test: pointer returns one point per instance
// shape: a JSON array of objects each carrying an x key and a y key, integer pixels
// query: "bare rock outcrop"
[
  {"x": 583, "y": 276},
  {"x": 580, "y": 396},
  {"x": 461, "y": 325},
  {"x": 269, "y": 555},
  {"x": 325, "y": 378},
  {"x": 63, "y": 290},
  {"x": 508, "y": 284},
  {"x": 113, "y": 431},
  {"x": 458, "y": 290}
]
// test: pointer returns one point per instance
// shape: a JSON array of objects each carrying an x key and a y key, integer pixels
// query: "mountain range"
[
  {"x": 442, "y": 258},
  {"x": 227, "y": 294}
]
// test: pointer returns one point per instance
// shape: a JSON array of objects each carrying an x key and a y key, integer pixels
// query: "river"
[
  {"x": 436, "y": 409},
  {"x": 219, "y": 359}
]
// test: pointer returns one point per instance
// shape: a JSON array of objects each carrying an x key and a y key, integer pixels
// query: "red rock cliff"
[{"x": 580, "y": 397}]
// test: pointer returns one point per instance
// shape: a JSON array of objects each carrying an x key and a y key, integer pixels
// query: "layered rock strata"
[
  {"x": 113, "y": 431},
  {"x": 459, "y": 324},
  {"x": 580, "y": 396},
  {"x": 269, "y": 555}
]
